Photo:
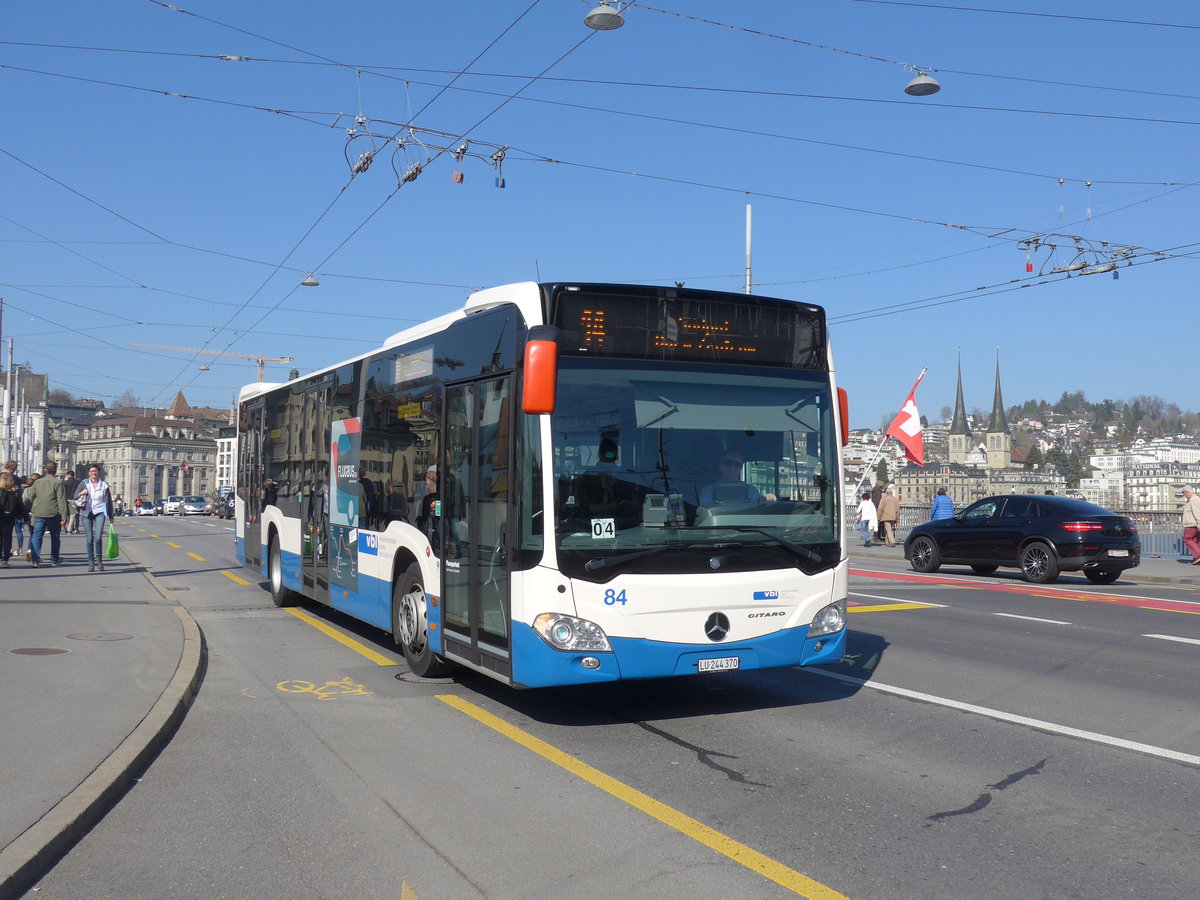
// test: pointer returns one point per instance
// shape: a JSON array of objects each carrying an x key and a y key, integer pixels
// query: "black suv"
[{"x": 1041, "y": 535}]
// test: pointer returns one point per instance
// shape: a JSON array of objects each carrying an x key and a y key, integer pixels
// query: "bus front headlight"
[
  {"x": 829, "y": 620},
  {"x": 563, "y": 632}
]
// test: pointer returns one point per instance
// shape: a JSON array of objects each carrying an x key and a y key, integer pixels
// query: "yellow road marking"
[
  {"x": 232, "y": 577},
  {"x": 197, "y": 558},
  {"x": 887, "y": 607},
  {"x": 154, "y": 535},
  {"x": 378, "y": 658},
  {"x": 757, "y": 862},
  {"x": 173, "y": 544},
  {"x": 407, "y": 893}
]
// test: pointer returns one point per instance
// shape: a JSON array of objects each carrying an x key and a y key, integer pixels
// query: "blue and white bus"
[{"x": 565, "y": 484}]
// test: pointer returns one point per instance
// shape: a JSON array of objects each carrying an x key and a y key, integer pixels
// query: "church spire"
[
  {"x": 999, "y": 439},
  {"x": 998, "y": 424},
  {"x": 958, "y": 425},
  {"x": 959, "y": 439}
]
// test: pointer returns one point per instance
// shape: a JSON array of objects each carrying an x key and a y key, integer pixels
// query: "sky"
[{"x": 171, "y": 173}]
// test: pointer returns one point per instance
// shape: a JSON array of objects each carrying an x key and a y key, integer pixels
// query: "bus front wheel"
[{"x": 410, "y": 624}]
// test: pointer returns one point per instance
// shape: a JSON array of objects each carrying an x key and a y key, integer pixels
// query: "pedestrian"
[
  {"x": 866, "y": 519},
  {"x": 876, "y": 496},
  {"x": 46, "y": 503},
  {"x": 97, "y": 508},
  {"x": 943, "y": 506},
  {"x": 1191, "y": 523},
  {"x": 889, "y": 515},
  {"x": 19, "y": 526},
  {"x": 10, "y": 511},
  {"x": 71, "y": 487}
]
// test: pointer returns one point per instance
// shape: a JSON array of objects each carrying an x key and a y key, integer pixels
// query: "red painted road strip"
[{"x": 1179, "y": 606}]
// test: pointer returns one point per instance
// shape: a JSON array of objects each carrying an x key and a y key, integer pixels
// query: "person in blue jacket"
[{"x": 943, "y": 506}]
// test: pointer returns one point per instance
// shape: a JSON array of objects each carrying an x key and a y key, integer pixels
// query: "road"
[{"x": 983, "y": 739}]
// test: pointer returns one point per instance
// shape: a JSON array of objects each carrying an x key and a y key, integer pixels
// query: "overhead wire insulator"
[
  {"x": 498, "y": 162},
  {"x": 364, "y": 163},
  {"x": 411, "y": 173},
  {"x": 458, "y": 154}
]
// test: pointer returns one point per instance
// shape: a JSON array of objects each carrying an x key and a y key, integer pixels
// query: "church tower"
[
  {"x": 999, "y": 438},
  {"x": 960, "y": 434}
]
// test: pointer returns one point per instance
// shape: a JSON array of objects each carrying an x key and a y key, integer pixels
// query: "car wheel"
[
  {"x": 410, "y": 625},
  {"x": 984, "y": 570},
  {"x": 923, "y": 555},
  {"x": 1039, "y": 564},
  {"x": 280, "y": 595},
  {"x": 1102, "y": 577}
]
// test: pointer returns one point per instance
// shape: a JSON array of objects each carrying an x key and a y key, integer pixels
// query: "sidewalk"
[
  {"x": 89, "y": 663},
  {"x": 1151, "y": 570}
]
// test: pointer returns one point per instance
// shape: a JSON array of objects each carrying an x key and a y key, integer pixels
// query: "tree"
[
  {"x": 129, "y": 399},
  {"x": 881, "y": 471},
  {"x": 947, "y": 412},
  {"x": 1034, "y": 457},
  {"x": 59, "y": 397}
]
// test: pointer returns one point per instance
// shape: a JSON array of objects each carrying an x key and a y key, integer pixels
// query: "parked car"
[
  {"x": 194, "y": 506},
  {"x": 160, "y": 506},
  {"x": 171, "y": 507},
  {"x": 1040, "y": 535},
  {"x": 146, "y": 509}
]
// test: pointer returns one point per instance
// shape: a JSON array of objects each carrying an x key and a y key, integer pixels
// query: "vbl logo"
[{"x": 766, "y": 595}]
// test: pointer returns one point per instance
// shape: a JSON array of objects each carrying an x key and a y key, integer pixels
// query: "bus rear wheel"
[
  {"x": 280, "y": 595},
  {"x": 410, "y": 624}
]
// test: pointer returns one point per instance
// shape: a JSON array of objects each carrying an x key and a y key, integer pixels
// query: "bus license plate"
[
  {"x": 1118, "y": 552},
  {"x": 723, "y": 664}
]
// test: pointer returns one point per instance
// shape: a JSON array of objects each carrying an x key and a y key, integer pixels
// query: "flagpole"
[{"x": 879, "y": 449}]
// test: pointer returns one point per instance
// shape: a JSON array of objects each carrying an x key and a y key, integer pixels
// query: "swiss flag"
[
  {"x": 906, "y": 427},
  {"x": 186, "y": 468}
]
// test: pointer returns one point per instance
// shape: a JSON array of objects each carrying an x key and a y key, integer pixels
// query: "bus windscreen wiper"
[
  {"x": 797, "y": 549},
  {"x": 603, "y": 562}
]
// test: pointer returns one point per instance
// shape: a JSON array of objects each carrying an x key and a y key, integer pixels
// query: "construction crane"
[{"x": 261, "y": 360}]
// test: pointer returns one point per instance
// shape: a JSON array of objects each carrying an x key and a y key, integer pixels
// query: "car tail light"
[{"x": 1081, "y": 527}]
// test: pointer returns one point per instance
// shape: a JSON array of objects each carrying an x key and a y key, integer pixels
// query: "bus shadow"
[
  {"x": 679, "y": 697},
  {"x": 692, "y": 696}
]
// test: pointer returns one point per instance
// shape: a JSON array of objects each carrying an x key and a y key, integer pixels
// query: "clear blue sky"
[{"x": 199, "y": 215}]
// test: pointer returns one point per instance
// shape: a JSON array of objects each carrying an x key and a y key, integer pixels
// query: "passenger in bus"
[
  {"x": 602, "y": 492},
  {"x": 731, "y": 487}
]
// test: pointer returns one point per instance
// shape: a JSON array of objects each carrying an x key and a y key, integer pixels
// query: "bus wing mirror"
[
  {"x": 844, "y": 414},
  {"x": 541, "y": 370}
]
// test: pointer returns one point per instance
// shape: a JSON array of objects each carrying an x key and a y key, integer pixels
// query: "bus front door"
[{"x": 473, "y": 481}]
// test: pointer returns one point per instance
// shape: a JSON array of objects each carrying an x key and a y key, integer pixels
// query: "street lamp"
[
  {"x": 923, "y": 85},
  {"x": 604, "y": 17}
]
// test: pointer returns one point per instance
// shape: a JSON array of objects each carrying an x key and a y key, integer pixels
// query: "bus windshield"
[{"x": 692, "y": 469}]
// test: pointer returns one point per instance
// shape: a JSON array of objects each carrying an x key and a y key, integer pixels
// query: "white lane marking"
[
  {"x": 1033, "y": 619},
  {"x": 1171, "y": 637},
  {"x": 1062, "y": 591},
  {"x": 894, "y": 599},
  {"x": 1040, "y": 724}
]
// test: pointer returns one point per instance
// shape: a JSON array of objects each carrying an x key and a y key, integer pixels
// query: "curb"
[{"x": 35, "y": 852}]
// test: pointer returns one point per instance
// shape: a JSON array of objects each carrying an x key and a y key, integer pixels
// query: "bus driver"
[{"x": 731, "y": 487}]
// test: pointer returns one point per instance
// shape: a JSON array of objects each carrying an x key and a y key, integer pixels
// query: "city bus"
[{"x": 565, "y": 484}]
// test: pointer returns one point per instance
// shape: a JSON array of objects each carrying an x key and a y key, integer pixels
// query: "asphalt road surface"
[{"x": 983, "y": 739}]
